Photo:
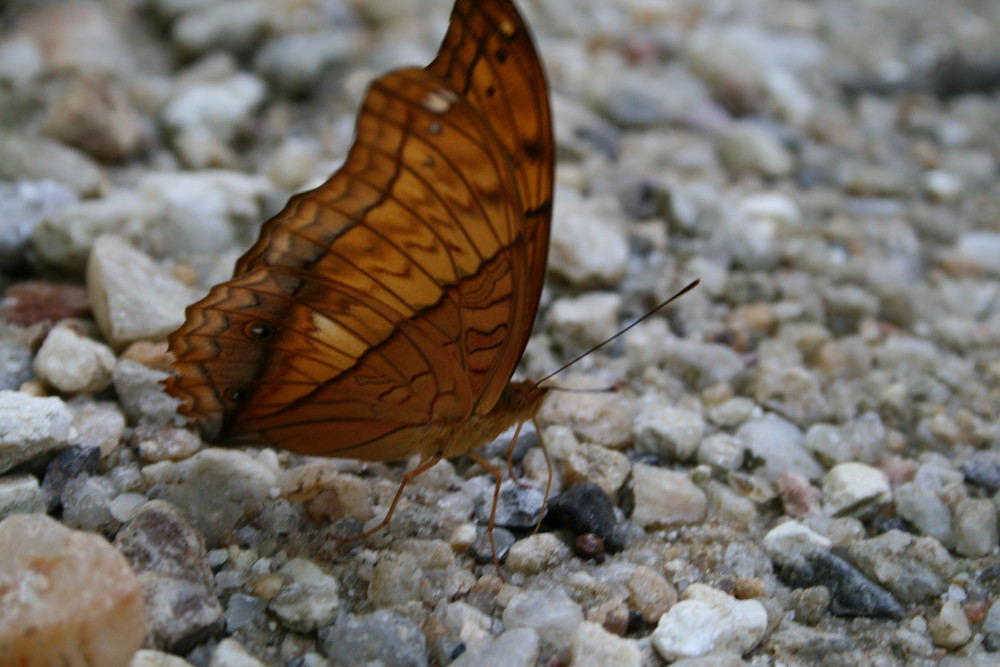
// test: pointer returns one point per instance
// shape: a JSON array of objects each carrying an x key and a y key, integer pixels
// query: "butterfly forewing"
[{"x": 385, "y": 308}]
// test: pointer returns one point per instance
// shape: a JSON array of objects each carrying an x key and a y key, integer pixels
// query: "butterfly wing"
[{"x": 395, "y": 299}]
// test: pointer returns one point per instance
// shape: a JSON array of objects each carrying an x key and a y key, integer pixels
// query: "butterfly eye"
[{"x": 259, "y": 330}]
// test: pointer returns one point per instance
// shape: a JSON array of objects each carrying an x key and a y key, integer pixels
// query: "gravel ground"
[{"x": 801, "y": 465}]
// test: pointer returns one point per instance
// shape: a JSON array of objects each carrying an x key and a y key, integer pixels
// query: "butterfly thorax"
[{"x": 518, "y": 403}]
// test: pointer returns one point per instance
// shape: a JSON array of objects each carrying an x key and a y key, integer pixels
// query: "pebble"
[
  {"x": 64, "y": 238},
  {"x": 536, "y": 553},
  {"x": 810, "y": 604},
  {"x": 593, "y": 646},
  {"x": 70, "y": 463},
  {"x": 979, "y": 251},
  {"x": 855, "y": 489},
  {"x": 862, "y": 440},
  {"x": 671, "y": 433},
  {"x": 749, "y": 147},
  {"x": 790, "y": 390},
  {"x": 517, "y": 507},
  {"x": 650, "y": 594},
  {"x": 72, "y": 363},
  {"x": 31, "y": 426},
  {"x": 395, "y": 580},
  {"x": 99, "y": 425},
  {"x": 465, "y": 622},
  {"x": 550, "y": 613},
  {"x": 641, "y": 99},
  {"x": 484, "y": 550},
  {"x": 925, "y": 511},
  {"x": 707, "y": 620},
  {"x": 141, "y": 394},
  {"x": 38, "y": 159},
  {"x": 665, "y": 498},
  {"x": 733, "y": 412},
  {"x": 37, "y": 301},
  {"x": 914, "y": 569},
  {"x": 589, "y": 246},
  {"x": 517, "y": 647},
  {"x": 799, "y": 498},
  {"x": 168, "y": 555},
  {"x": 77, "y": 37},
  {"x": 293, "y": 63},
  {"x": 975, "y": 527},
  {"x": 15, "y": 363},
  {"x": 230, "y": 653},
  {"x": 211, "y": 114},
  {"x": 21, "y": 61},
  {"x": 983, "y": 470},
  {"x": 310, "y": 599},
  {"x": 382, "y": 637},
  {"x": 806, "y": 562},
  {"x": 593, "y": 464},
  {"x": 601, "y": 418},
  {"x": 950, "y": 628},
  {"x": 20, "y": 495},
  {"x": 587, "y": 508},
  {"x": 93, "y": 114},
  {"x": 66, "y": 597},
  {"x": 226, "y": 26},
  {"x": 86, "y": 502},
  {"x": 190, "y": 213},
  {"x": 727, "y": 504},
  {"x": 580, "y": 323},
  {"x": 213, "y": 487},
  {"x": 132, "y": 298},
  {"x": 721, "y": 451},
  {"x": 151, "y": 658},
  {"x": 25, "y": 203},
  {"x": 779, "y": 445},
  {"x": 702, "y": 365}
]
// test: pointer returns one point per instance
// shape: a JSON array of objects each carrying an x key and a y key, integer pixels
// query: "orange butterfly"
[{"x": 381, "y": 315}]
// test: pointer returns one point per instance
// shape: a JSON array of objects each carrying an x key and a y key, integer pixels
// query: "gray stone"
[
  {"x": 20, "y": 495},
  {"x": 518, "y": 647},
  {"x": 975, "y": 527},
  {"x": 779, "y": 444},
  {"x": 925, "y": 511},
  {"x": 550, "y": 613},
  {"x": 749, "y": 147},
  {"x": 23, "y": 204},
  {"x": 665, "y": 498},
  {"x": 168, "y": 555},
  {"x": 37, "y": 159},
  {"x": 132, "y": 298},
  {"x": 381, "y": 637},
  {"x": 669, "y": 432},
  {"x": 914, "y": 569},
  {"x": 31, "y": 426},
  {"x": 310, "y": 600}
]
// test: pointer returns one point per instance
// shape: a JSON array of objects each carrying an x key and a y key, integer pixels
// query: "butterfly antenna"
[{"x": 652, "y": 312}]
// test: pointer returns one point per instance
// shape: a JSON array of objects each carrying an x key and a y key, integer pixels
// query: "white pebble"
[
  {"x": 707, "y": 620},
  {"x": 72, "y": 363},
  {"x": 855, "y": 489}
]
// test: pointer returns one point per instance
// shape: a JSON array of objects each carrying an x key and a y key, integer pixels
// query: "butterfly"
[{"x": 382, "y": 315}]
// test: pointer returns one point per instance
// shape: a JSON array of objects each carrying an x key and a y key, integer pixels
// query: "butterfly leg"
[
  {"x": 490, "y": 468},
  {"x": 548, "y": 480},
  {"x": 510, "y": 453},
  {"x": 420, "y": 469},
  {"x": 548, "y": 464}
]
